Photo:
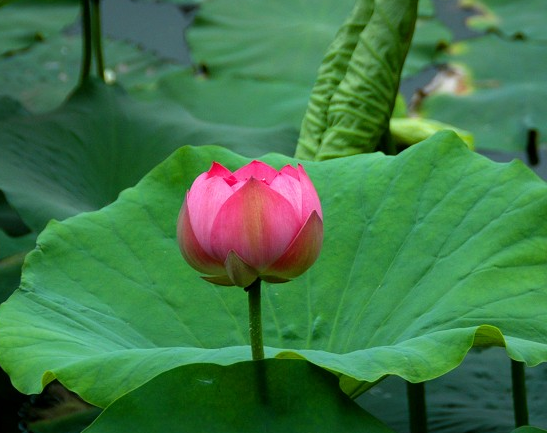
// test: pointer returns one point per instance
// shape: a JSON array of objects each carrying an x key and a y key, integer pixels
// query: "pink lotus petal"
[
  {"x": 290, "y": 188},
  {"x": 310, "y": 199},
  {"x": 218, "y": 170},
  {"x": 257, "y": 223},
  {"x": 204, "y": 201},
  {"x": 302, "y": 252},
  {"x": 240, "y": 273},
  {"x": 190, "y": 248},
  {"x": 290, "y": 170},
  {"x": 258, "y": 170}
]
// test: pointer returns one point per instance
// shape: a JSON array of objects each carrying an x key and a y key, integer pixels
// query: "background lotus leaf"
[
  {"x": 42, "y": 77},
  {"x": 286, "y": 41},
  {"x": 231, "y": 100},
  {"x": 25, "y": 23},
  {"x": 79, "y": 157},
  {"x": 500, "y": 104},
  {"x": 509, "y": 17}
]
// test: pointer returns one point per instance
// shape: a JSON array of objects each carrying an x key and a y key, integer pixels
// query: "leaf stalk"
[
  {"x": 86, "y": 41},
  {"x": 417, "y": 407},
  {"x": 97, "y": 37},
  {"x": 255, "y": 320},
  {"x": 520, "y": 404}
]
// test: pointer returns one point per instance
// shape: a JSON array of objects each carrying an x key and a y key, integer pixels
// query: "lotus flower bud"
[{"x": 256, "y": 222}]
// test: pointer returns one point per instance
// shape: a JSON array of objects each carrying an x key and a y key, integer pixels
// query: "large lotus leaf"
[
  {"x": 270, "y": 396},
  {"x": 79, "y": 157},
  {"x": 42, "y": 77},
  {"x": 510, "y": 17},
  {"x": 475, "y": 397},
  {"x": 501, "y": 95},
  {"x": 425, "y": 254},
  {"x": 23, "y": 23}
]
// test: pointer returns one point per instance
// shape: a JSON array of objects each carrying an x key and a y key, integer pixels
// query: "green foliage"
[
  {"x": 282, "y": 40},
  {"x": 425, "y": 255},
  {"x": 42, "y": 77},
  {"x": 80, "y": 156},
  {"x": 25, "y": 23},
  {"x": 510, "y": 18},
  {"x": 232, "y": 100},
  {"x": 500, "y": 104},
  {"x": 271, "y": 395},
  {"x": 357, "y": 84}
]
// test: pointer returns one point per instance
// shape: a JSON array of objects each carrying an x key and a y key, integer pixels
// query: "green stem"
[
  {"x": 97, "y": 38},
  {"x": 417, "y": 407},
  {"x": 520, "y": 404},
  {"x": 255, "y": 320},
  {"x": 86, "y": 41}
]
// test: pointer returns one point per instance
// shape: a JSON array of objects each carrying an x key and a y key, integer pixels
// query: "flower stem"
[
  {"x": 255, "y": 320},
  {"x": 86, "y": 41},
  {"x": 416, "y": 407},
  {"x": 519, "y": 393},
  {"x": 97, "y": 37}
]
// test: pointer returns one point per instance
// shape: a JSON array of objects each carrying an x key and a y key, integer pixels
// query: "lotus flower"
[{"x": 256, "y": 222}]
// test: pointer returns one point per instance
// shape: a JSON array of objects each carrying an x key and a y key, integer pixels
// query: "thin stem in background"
[
  {"x": 97, "y": 37},
  {"x": 86, "y": 41},
  {"x": 417, "y": 407},
  {"x": 255, "y": 320},
  {"x": 520, "y": 405}
]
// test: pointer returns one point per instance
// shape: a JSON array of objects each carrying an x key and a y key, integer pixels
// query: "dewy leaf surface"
[
  {"x": 425, "y": 254},
  {"x": 270, "y": 396},
  {"x": 80, "y": 156}
]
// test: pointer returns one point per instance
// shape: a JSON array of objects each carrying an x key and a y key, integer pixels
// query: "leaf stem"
[
  {"x": 520, "y": 405},
  {"x": 97, "y": 38},
  {"x": 255, "y": 320},
  {"x": 86, "y": 41},
  {"x": 416, "y": 407}
]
